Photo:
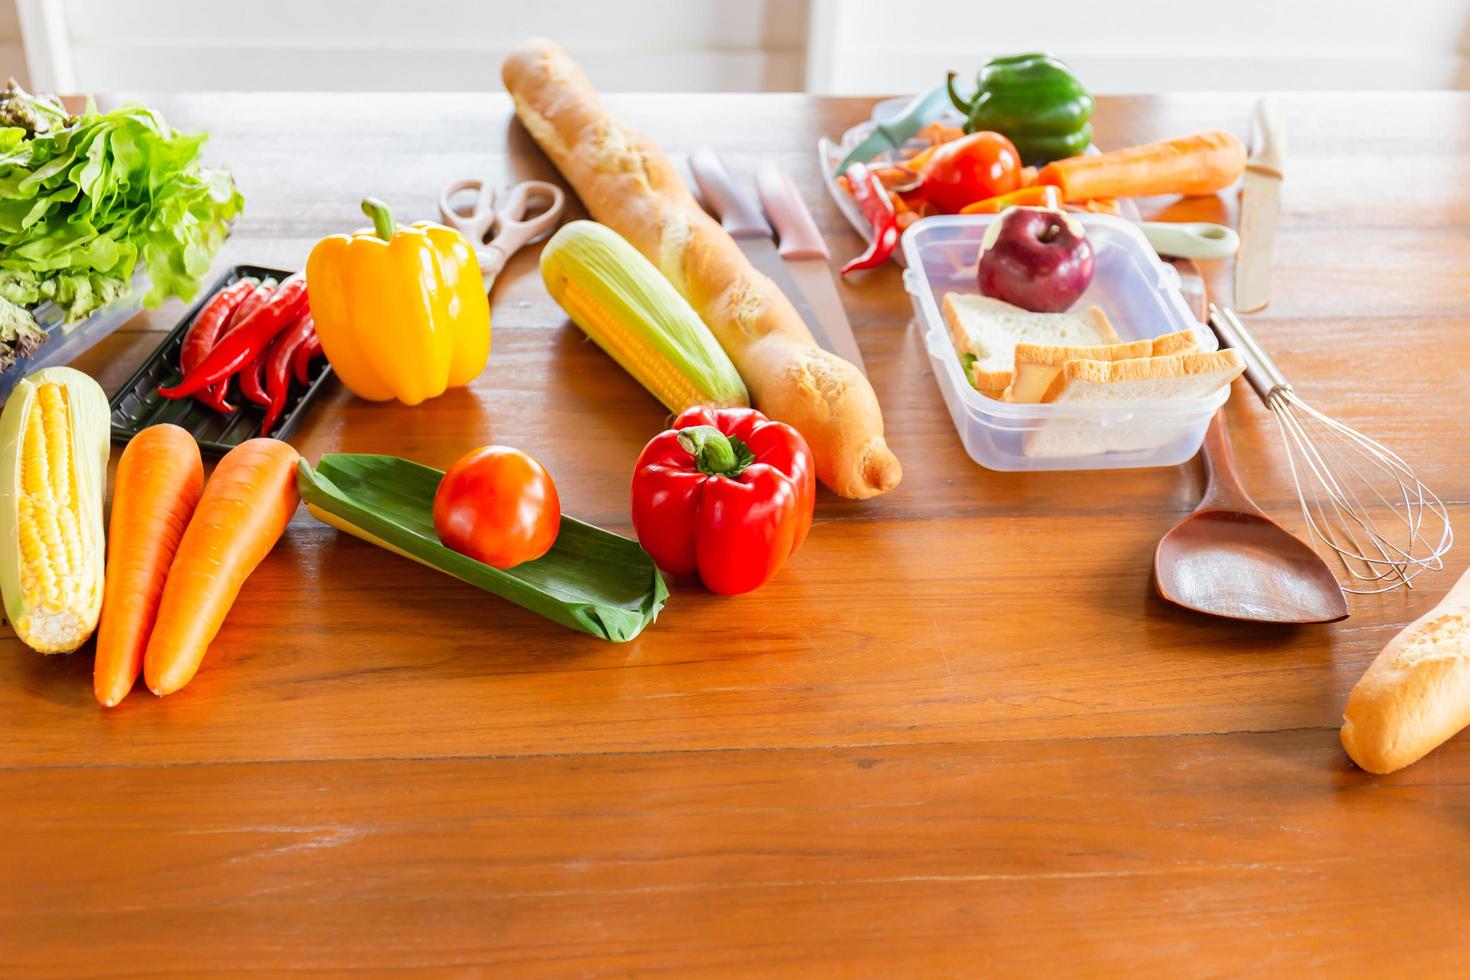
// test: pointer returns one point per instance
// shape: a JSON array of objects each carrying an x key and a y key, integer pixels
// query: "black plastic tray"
[{"x": 138, "y": 404}]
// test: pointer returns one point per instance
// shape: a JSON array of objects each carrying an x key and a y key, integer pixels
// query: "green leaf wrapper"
[{"x": 591, "y": 580}]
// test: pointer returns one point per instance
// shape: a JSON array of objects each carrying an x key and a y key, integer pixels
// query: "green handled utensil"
[
  {"x": 889, "y": 133},
  {"x": 1191, "y": 239}
]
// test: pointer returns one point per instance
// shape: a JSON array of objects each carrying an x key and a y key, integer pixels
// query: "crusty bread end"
[{"x": 1416, "y": 694}]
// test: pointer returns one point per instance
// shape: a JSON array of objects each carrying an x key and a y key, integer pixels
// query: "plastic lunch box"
[{"x": 1139, "y": 293}]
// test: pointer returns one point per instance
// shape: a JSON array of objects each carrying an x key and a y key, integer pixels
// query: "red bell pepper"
[{"x": 726, "y": 493}]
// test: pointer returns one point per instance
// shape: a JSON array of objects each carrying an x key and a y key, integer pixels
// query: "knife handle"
[
  {"x": 1268, "y": 139},
  {"x": 799, "y": 236},
  {"x": 738, "y": 214}
]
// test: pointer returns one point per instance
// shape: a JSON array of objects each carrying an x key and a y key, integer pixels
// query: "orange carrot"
[
  {"x": 244, "y": 510},
  {"x": 1200, "y": 164},
  {"x": 937, "y": 132},
  {"x": 1040, "y": 196},
  {"x": 1097, "y": 205},
  {"x": 157, "y": 486}
]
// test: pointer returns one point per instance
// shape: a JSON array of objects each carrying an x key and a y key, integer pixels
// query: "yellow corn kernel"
[
  {"x": 631, "y": 311},
  {"x": 653, "y": 370},
  {"x": 53, "y": 451}
]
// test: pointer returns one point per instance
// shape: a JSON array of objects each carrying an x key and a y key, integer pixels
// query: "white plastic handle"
[
  {"x": 1268, "y": 139},
  {"x": 1191, "y": 239}
]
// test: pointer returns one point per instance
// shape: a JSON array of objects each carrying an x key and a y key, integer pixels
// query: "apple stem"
[{"x": 1050, "y": 234}]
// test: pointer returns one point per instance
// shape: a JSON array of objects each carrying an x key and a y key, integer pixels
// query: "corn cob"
[
  {"x": 630, "y": 310},
  {"x": 54, "y": 443}
]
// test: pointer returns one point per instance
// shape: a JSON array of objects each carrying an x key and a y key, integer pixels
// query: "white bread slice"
[
  {"x": 1178, "y": 342},
  {"x": 1178, "y": 376},
  {"x": 989, "y": 329},
  {"x": 1416, "y": 693},
  {"x": 1039, "y": 365}
]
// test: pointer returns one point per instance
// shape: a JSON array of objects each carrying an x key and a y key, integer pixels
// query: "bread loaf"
[
  {"x": 1416, "y": 694},
  {"x": 628, "y": 184}
]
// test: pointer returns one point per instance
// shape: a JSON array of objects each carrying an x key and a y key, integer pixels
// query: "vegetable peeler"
[{"x": 924, "y": 109}]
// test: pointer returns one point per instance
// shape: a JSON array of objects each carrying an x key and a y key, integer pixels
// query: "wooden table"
[{"x": 957, "y": 735}]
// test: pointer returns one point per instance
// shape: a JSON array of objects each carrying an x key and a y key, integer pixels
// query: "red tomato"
[
  {"x": 498, "y": 506},
  {"x": 970, "y": 169}
]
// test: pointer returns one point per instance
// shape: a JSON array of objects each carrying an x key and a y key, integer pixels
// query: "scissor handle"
[
  {"x": 520, "y": 209},
  {"x": 474, "y": 224},
  {"x": 514, "y": 230}
]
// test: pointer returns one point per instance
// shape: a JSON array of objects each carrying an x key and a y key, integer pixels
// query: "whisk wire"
[{"x": 1348, "y": 484}]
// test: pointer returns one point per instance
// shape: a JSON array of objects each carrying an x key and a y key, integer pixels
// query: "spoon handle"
[{"x": 1224, "y": 490}]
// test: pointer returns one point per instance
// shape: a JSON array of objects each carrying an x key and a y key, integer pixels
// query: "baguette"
[
  {"x": 628, "y": 184},
  {"x": 1416, "y": 695}
]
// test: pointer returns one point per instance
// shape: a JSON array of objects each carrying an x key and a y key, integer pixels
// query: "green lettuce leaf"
[{"x": 83, "y": 204}]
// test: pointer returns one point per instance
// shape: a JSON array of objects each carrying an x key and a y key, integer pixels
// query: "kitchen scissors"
[{"x": 530, "y": 212}]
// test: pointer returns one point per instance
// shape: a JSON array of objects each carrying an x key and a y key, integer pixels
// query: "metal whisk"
[{"x": 1360, "y": 500}]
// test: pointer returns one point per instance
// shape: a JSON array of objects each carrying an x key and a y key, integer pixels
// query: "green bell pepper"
[{"x": 1035, "y": 101}]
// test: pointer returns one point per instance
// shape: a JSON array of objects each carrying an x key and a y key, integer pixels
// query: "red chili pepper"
[
  {"x": 214, "y": 396},
  {"x": 253, "y": 302},
  {"x": 725, "y": 492},
  {"x": 872, "y": 197},
  {"x": 206, "y": 330},
  {"x": 278, "y": 369},
  {"x": 248, "y": 340},
  {"x": 252, "y": 379},
  {"x": 310, "y": 350}
]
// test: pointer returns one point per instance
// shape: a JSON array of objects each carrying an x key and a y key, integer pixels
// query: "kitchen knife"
[
  {"x": 743, "y": 221},
  {"x": 806, "y": 257},
  {"x": 1259, "y": 206}
]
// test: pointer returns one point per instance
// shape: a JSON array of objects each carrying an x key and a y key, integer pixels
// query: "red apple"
[{"x": 1035, "y": 258}]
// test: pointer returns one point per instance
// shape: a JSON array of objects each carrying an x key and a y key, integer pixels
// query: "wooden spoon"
[{"x": 1228, "y": 558}]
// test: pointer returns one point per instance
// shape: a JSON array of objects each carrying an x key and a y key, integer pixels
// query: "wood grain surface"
[{"x": 957, "y": 735}]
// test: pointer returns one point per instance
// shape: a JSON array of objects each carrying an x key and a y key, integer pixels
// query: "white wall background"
[{"x": 834, "y": 46}]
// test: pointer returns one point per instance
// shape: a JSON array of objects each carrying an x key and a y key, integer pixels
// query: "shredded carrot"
[
  {"x": 1037, "y": 197},
  {"x": 936, "y": 133},
  {"x": 1100, "y": 205}
]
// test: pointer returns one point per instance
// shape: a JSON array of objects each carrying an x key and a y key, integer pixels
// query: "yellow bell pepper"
[{"x": 401, "y": 311}]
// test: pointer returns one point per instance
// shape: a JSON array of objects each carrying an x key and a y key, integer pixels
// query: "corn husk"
[
  {"x": 591, "y": 580},
  {"x": 90, "y": 435},
  {"x": 644, "y": 324}
]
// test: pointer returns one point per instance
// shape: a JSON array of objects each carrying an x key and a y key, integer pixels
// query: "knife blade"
[
  {"x": 1259, "y": 207},
  {"x": 805, "y": 253},
  {"x": 743, "y": 221}
]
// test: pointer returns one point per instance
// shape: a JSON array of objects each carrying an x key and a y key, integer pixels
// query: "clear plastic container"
[
  {"x": 66, "y": 342},
  {"x": 1139, "y": 293}
]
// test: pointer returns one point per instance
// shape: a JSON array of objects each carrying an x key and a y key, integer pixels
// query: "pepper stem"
[
  {"x": 954, "y": 96},
  {"x": 715, "y": 454},
  {"x": 383, "y": 225}
]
